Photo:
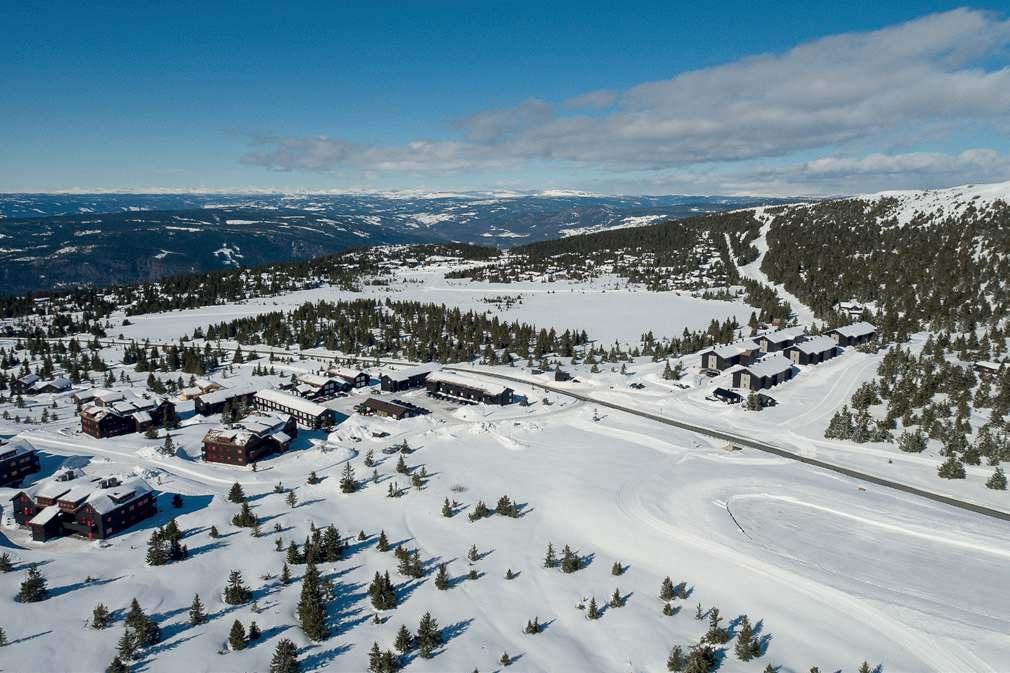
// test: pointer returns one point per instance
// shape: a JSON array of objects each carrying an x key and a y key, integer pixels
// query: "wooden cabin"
[
  {"x": 765, "y": 373},
  {"x": 722, "y": 357},
  {"x": 779, "y": 340},
  {"x": 395, "y": 409},
  {"x": 853, "y": 335},
  {"x": 18, "y": 459},
  {"x": 250, "y": 439},
  {"x": 216, "y": 401},
  {"x": 313, "y": 386},
  {"x": 355, "y": 378},
  {"x": 307, "y": 414},
  {"x": 405, "y": 379},
  {"x": 460, "y": 388},
  {"x": 812, "y": 351}
]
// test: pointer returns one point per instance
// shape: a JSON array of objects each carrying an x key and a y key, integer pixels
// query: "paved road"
[{"x": 756, "y": 444}]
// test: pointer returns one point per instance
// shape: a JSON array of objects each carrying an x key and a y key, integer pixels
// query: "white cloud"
[{"x": 883, "y": 88}]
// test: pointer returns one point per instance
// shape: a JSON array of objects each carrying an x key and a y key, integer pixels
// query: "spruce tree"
[
  {"x": 236, "y": 494},
  {"x": 348, "y": 484},
  {"x": 615, "y": 600},
  {"x": 404, "y": 641},
  {"x": 33, "y": 587},
  {"x": 285, "y": 574},
  {"x": 254, "y": 632},
  {"x": 549, "y": 559},
  {"x": 747, "y": 646},
  {"x": 446, "y": 509},
  {"x": 5, "y": 563},
  {"x": 292, "y": 499},
  {"x": 441, "y": 578},
  {"x": 196, "y": 612},
  {"x": 285, "y": 659},
  {"x": 100, "y": 617},
  {"x": 429, "y": 636},
  {"x": 127, "y": 646},
  {"x": 676, "y": 661},
  {"x": 617, "y": 568},
  {"x": 505, "y": 660},
  {"x": 998, "y": 480},
  {"x": 3, "y": 637},
  {"x": 666, "y": 590},
  {"x": 237, "y": 637},
  {"x": 593, "y": 611},
  {"x": 236, "y": 592},
  {"x": 383, "y": 542},
  {"x": 117, "y": 666},
  {"x": 311, "y": 608}
]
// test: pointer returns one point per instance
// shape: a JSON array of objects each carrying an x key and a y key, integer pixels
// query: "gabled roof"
[
  {"x": 105, "y": 500},
  {"x": 410, "y": 372},
  {"x": 225, "y": 394},
  {"x": 491, "y": 389},
  {"x": 817, "y": 344},
  {"x": 769, "y": 366},
  {"x": 856, "y": 329},
  {"x": 14, "y": 448},
  {"x": 346, "y": 372},
  {"x": 733, "y": 349},
  {"x": 783, "y": 335},
  {"x": 292, "y": 402},
  {"x": 45, "y": 515},
  {"x": 245, "y": 430},
  {"x": 314, "y": 380}
]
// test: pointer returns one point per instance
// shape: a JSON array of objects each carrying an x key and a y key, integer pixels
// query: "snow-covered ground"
[
  {"x": 607, "y": 308},
  {"x": 835, "y": 573}
]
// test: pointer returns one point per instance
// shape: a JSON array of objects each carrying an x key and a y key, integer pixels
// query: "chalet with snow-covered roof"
[
  {"x": 83, "y": 397},
  {"x": 58, "y": 384},
  {"x": 812, "y": 351},
  {"x": 779, "y": 340},
  {"x": 405, "y": 379},
  {"x": 395, "y": 409},
  {"x": 22, "y": 384},
  {"x": 200, "y": 387},
  {"x": 112, "y": 415},
  {"x": 460, "y": 388},
  {"x": 18, "y": 459},
  {"x": 214, "y": 402},
  {"x": 853, "y": 335},
  {"x": 986, "y": 370},
  {"x": 314, "y": 386},
  {"x": 851, "y": 309},
  {"x": 355, "y": 378},
  {"x": 724, "y": 356},
  {"x": 250, "y": 439},
  {"x": 765, "y": 373},
  {"x": 306, "y": 413},
  {"x": 73, "y": 504}
]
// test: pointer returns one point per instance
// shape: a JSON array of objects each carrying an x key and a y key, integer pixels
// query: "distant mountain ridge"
[{"x": 50, "y": 241}]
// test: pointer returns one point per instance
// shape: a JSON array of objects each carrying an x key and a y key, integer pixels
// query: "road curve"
[{"x": 755, "y": 444}]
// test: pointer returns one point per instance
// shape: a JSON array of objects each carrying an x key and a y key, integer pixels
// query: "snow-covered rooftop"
[
  {"x": 856, "y": 329},
  {"x": 770, "y": 366},
  {"x": 291, "y": 402},
  {"x": 466, "y": 381}
]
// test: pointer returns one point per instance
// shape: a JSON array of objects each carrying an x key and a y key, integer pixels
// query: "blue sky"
[{"x": 741, "y": 97}]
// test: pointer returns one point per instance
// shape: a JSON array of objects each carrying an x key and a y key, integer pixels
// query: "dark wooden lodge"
[
  {"x": 249, "y": 440},
  {"x": 18, "y": 459}
]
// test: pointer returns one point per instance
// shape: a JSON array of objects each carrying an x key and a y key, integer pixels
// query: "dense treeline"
[{"x": 414, "y": 330}]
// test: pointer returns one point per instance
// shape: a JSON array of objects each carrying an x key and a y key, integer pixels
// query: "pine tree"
[
  {"x": 3, "y": 637},
  {"x": 382, "y": 593},
  {"x": 446, "y": 509},
  {"x": 617, "y": 568},
  {"x": 401, "y": 466},
  {"x": 509, "y": 574},
  {"x": 5, "y": 563},
  {"x": 33, "y": 588},
  {"x": 348, "y": 484},
  {"x": 292, "y": 499},
  {"x": 254, "y": 632},
  {"x": 952, "y": 468},
  {"x": 237, "y": 637},
  {"x": 998, "y": 480},
  {"x": 285, "y": 574},
  {"x": 404, "y": 641},
  {"x": 667, "y": 591},
  {"x": 285, "y": 659},
  {"x": 117, "y": 666},
  {"x": 311, "y": 607},
  {"x": 570, "y": 562},
  {"x": 676, "y": 661},
  {"x": 441, "y": 578},
  {"x": 549, "y": 559},
  {"x": 196, "y": 613},
  {"x": 156, "y": 553},
  {"x": 214, "y": 534},
  {"x": 236, "y": 592},
  {"x": 245, "y": 518},
  {"x": 505, "y": 660},
  {"x": 747, "y": 646},
  {"x": 473, "y": 555},
  {"x": 668, "y": 609},
  {"x": 383, "y": 542},
  {"x": 429, "y": 636},
  {"x": 593, "y": 612},
  {"x": 616, "y": 601},
  {"x": 127, "y": 647},
  {"x": 100, "y": 617},
  {"x": 236, "y": 494}
]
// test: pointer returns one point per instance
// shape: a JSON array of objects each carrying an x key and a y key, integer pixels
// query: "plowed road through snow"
[{"x": 754, "y": 444}]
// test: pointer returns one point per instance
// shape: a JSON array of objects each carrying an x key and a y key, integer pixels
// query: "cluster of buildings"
[
  {"x": 109, "y": 413},
  {"x": 249, "y": 439},
  {"x": 769, "y": 359}
]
